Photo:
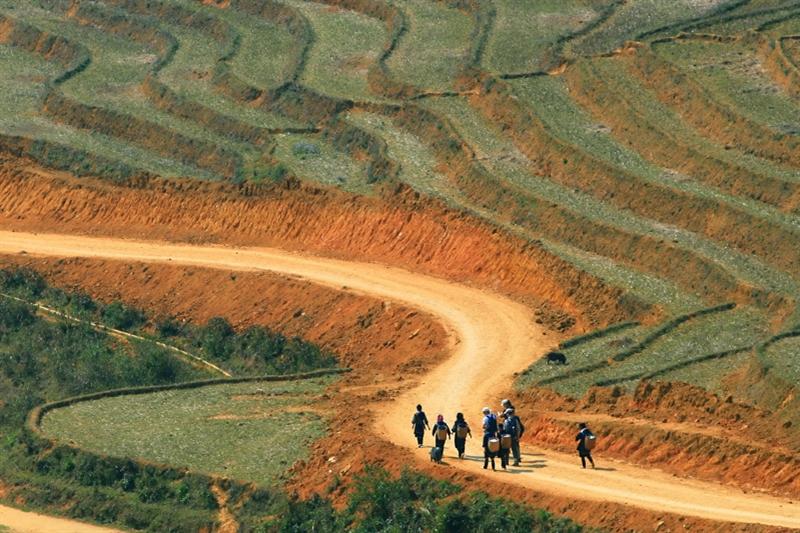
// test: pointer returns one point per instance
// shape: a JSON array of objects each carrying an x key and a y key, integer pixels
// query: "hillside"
[{"x": 628, "y": 170}]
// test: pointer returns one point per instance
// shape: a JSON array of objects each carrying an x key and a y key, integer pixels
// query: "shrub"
[
  {"x": 120, "y": 316},
  {"x": 15, "y": 315},
  {"x": 168, "y": 326},
  {"x": 415, "y": 502},
  {"x": 215, "y": 338},
  {"x": 23, "y": 282}
]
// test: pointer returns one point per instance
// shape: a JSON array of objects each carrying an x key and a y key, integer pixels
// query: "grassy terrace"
[
  {"x": 264, "y": 55},
  {"x": 524, "y": 31},
  {"x": 252, "y": 431},
  {"x": 311, "y": 158},
  {"x": 500, "y": 154},
  {"x": 431, "y": 53},
  {"x": 659, "y": 117},
  {"x": 418, "y": 162},
  {"x": 748, "y": 16},
  {"x": 670, "y": 356},
  {"x": 548, "y": 99},
  {"x": 736, "y": 78},
  {"x": 346, "y": 43},
  {"x": 20, "y": 115},
  {"x": 113, "y": 79},
  {"x": 190, "y": 71},
  {"x": 632, "y": 19},
  {"x": 649, "y": 288}
]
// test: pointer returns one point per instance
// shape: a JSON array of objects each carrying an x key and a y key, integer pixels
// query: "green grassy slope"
[{"x": 668, "y": 167}]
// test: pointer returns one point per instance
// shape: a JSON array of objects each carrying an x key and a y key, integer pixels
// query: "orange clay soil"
[
  {"x": 394, "y": 343},
  {"x": 365, "y": 333},
  {"x": 490, "y": 338},
  {"x": 398, "y": 228}
]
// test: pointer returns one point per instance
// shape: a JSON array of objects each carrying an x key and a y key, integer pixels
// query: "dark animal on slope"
[{"x": 557, "y": 358}]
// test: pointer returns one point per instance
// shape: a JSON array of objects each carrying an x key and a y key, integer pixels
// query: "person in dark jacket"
[
  {"x": 440, "y": 428},
  {"x": 516, "y": 434},
  {"x": 419, "y": 423},
  {"x": 460, "y": 427},
  {"x": 583, "y": 451},
  {"x": 489, "y": 432}
]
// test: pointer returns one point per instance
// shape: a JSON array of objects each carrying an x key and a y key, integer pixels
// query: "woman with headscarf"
[
  {"x": 441, "y": 432},
  {"x": 461, "y": 431}
]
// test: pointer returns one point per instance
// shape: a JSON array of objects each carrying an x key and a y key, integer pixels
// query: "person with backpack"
[
  {"x": 419, "y": 423},
  {"x": 491, "y": 444},
  {"x": 517, "y": 429},
  {"x": 441, "y": 432},
  {"x": 461, "y": 431},
  {"x": 585, "y": 440},
  {"x": 504, "y": 433}
]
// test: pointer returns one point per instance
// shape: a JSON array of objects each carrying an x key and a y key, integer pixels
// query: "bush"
[
  {"x": 215, "y": 338},
  {"x": 22, "y": 282},
  {"x": 169, "y": 326},
  {"x": 15, "y": 315},
  {"x": 415, "y": 502},
  {"x": 120, "y": 316}
]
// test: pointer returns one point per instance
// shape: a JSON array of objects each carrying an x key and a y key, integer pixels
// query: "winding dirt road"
[{"x": 492, "y": 337}]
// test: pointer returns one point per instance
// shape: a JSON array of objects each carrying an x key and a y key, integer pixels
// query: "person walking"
[
  {"x": 517, "y": 429},
  {"x": 461, "y": 431},
  {"x": 419, "y": 423},
  {"x": 441, "y": 432},
  {"x": 584, "y": 449},
  {"x": 489, "y": 433},
  {"x": 505, "y": 432}
]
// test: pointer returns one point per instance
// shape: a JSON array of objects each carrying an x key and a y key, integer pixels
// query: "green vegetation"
[
  {"x": 323, "y": 165},
  {"x": 433, "y": 50},
  {"x": 735, "y": 76},
  {"x": 44, "y": 357},
  {"x": 783, "y": 358},
  {"x": 254, "y": 351},
  {"x": 700, "y": 351},
  {"x": 632, "y": 185},
  {"x": 414, "y": 502},
  {"x": 43, "y": 360},
  {"x": 417, "y": 161},
  {"x": 264, "y": 70},
  {"x": 632, "y": 20},
  {"x": 248, "y": 431},
  {"x": 346, "y": 43},
  {"x": 524, "y": 32}
]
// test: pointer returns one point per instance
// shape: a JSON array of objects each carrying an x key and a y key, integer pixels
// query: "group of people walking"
[{"x": 502, "y": 432}]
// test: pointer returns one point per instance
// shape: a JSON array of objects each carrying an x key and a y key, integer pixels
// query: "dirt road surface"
[
  {"x": 23, "y": 522},
  {"x": 492, "y": 337}
]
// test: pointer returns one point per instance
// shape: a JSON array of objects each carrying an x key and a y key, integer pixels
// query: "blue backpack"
[{"x": 491, "y": 424}]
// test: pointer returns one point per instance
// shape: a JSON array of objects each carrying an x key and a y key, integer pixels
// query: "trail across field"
[{"x": 492, "y": 337}]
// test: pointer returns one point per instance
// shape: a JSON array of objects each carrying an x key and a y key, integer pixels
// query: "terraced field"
[
  {"x": 650, "y": 147},
  {"x": 201, "y": 428}
]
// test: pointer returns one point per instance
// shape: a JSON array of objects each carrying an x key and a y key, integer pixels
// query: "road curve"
[{"x": 492, "y": 337}]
